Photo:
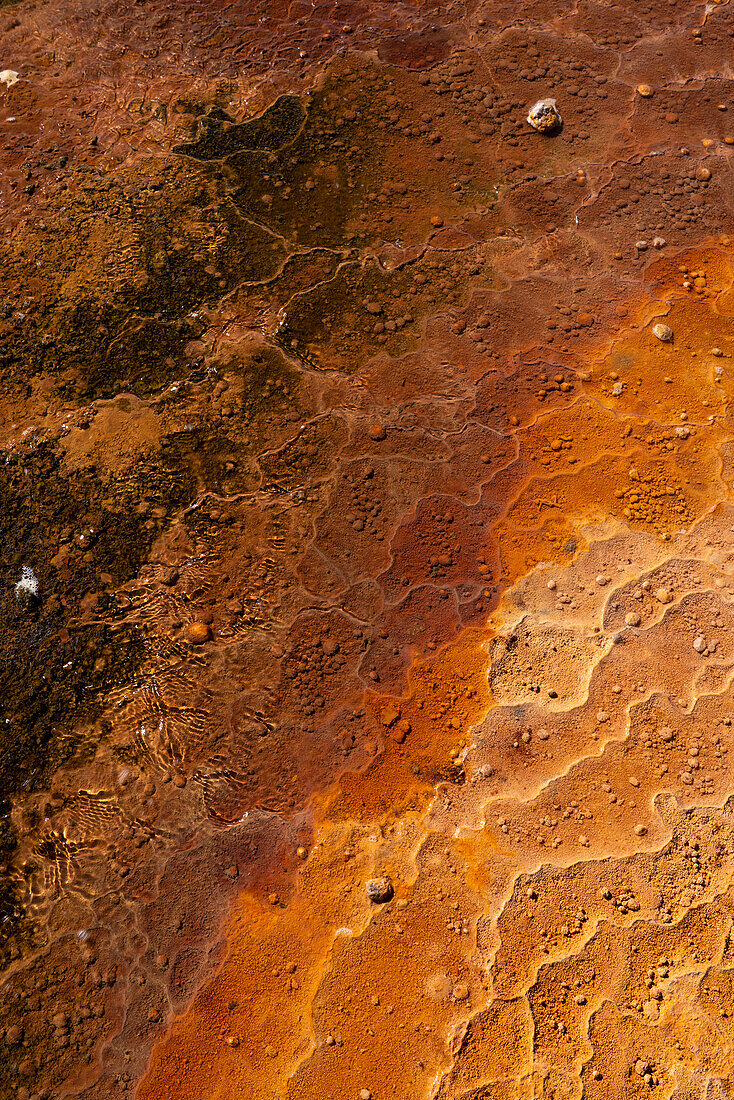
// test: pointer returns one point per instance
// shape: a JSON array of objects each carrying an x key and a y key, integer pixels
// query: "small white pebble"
[
  {"x": 545, "y": 117},
  {"x": 662, "y": 332}
]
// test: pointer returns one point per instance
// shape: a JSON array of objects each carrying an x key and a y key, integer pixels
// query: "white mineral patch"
[
  {"x": 9, "y": 77},
  {"x": 27, "y": 585}
]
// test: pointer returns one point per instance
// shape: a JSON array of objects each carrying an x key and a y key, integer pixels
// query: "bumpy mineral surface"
[{"x": 367, "y": 527}]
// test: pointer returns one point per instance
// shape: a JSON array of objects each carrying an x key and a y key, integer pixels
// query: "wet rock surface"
[{"x": 366, "y": 521}]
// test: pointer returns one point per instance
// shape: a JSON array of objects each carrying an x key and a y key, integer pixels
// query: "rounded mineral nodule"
[
  {"x": 545, "y": 117},
  {"x": 379, "y": 890},
  {"x": 198, "y": 632}
]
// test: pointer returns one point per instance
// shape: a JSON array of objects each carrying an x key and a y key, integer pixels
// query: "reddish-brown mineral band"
[{"x": 368, "y": 543}]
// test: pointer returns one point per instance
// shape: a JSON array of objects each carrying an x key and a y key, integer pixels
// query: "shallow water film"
[{"x": 367, "y": 541}]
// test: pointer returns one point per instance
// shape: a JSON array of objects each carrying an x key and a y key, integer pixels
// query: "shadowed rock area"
[{"x": 367, "y": 526}]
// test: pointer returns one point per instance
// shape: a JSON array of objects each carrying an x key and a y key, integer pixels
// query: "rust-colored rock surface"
[{"x": 367, "y": 529}]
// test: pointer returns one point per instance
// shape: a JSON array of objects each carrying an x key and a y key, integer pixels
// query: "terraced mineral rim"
[{"x": 367, "y": 533}]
